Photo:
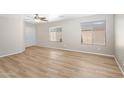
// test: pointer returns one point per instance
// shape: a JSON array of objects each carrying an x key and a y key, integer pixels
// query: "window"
[
  {"x": 55, "y": 34},
  {"x": 93, "y": 32}
]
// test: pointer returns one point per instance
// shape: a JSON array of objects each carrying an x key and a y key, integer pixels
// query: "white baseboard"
[
  {"x": 106, "y": 55},
  {"x": 26, "y": 46},
  {"x": 12, "y": 53},
  {"x": 119, "y": 65}
]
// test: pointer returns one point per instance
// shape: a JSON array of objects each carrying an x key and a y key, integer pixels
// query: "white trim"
[
  {"x": 106, "y": 55},
  {"x": 119, "y": 65},
  {"x": 12, "y": 53}
]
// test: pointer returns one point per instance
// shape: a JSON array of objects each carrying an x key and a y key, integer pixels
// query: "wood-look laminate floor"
[{"x": 44, "y": 62}]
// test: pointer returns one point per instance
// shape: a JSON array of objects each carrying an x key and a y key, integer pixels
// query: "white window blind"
[
  {"x": 93, "y": 32},
  {"x": 55, "y": 34}
]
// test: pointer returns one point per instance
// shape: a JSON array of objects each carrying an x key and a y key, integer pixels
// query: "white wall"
[
  {"x": 29, "y": 34},
  {"x": 11, "y": 34},
  {"x": 72, "y": 35},
  {"x": 119, "y": 39}
]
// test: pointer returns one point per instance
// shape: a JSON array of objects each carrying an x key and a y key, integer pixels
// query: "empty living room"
[{"x": 61, "y": 46}]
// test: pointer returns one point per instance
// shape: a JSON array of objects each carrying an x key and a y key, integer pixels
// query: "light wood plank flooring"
[{"x": 38, "y": 62}]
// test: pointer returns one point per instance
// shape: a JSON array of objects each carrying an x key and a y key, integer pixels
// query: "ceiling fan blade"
[{"x": 44, "y": 20}]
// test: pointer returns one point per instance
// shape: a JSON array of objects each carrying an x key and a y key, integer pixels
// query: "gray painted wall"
[
  {"x": 11, "y": 34},
  {"x": 72, "y": 35},
  {"x": 119, "y": 39},
  {"x": 29, "y": 34}
]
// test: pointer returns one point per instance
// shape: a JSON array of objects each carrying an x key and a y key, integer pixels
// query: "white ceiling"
[{"x": 55, "y": 17}]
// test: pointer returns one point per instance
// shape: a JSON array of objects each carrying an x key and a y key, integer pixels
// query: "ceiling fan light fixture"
[{"x": 37, "y": 20}]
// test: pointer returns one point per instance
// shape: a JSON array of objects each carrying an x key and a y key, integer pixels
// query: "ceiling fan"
[{"x": 39, "y": 19}]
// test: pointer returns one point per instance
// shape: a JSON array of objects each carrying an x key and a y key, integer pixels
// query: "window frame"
[
  {"x": 92, "y": 33},
  {"x": 60, "y": 41}
]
